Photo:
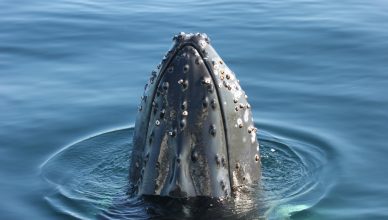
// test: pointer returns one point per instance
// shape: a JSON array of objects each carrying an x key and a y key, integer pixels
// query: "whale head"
[{"x": 194, "y": 132}]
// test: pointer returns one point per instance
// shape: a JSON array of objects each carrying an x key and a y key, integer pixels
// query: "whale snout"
[{"x": 194, "y": 132}]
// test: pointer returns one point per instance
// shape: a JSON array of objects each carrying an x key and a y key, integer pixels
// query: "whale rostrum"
[{"x": 194, "y": 132}]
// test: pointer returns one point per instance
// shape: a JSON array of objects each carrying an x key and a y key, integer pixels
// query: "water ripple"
[{"x": 90, "y": 179}]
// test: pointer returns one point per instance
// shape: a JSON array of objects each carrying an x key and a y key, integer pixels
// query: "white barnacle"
[
  {"x": 237, "y": 94},
  {"x": 246, "y": 115},
  {"x": 215, "y": 64},
  {"x": 253, "y": 136},
  {"x": 239, "y": 123},
  {"x": 207, "y": 81},
  {"x": 195, "y": 52},
  {"x": 202, "y": 44},
  {"x": 185, "y": 113}
]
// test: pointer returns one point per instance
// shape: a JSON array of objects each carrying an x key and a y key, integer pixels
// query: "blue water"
[{"x": 72, "y": 73}]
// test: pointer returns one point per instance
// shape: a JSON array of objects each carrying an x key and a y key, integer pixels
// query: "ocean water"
[{"x": 72, "y": 73}]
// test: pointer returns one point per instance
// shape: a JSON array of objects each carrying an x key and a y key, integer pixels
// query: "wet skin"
[{"x": 194, "y": 133}]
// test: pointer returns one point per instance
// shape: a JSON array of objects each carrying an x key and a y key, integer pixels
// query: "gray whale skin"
[{"x": 194, "y": 133}]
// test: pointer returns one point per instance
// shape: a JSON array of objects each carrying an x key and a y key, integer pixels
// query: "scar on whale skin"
[{"x": 194, "y": 133}]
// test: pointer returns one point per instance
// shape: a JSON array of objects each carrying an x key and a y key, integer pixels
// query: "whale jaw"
[{"x": 194, "y": 133}]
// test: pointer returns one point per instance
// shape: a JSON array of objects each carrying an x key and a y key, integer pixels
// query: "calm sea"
[{"x": 72, "y": 73}]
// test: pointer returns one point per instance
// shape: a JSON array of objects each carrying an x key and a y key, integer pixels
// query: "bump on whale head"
[{"x": 194, "y": 132}]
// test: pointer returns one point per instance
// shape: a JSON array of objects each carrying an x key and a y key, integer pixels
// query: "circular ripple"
[
  {"x": 295, "y": 169},
  {"x": 89, "y": 175},
  {"x": 90, "y": 179}
]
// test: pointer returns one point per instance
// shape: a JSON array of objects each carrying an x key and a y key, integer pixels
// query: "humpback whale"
[{"x": 194, "y": 133}]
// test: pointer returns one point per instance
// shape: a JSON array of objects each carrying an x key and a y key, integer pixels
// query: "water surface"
[{"x": 72, "y": 72}]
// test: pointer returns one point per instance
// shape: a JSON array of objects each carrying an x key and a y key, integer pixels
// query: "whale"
[{"x": 194, "y": 132}]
